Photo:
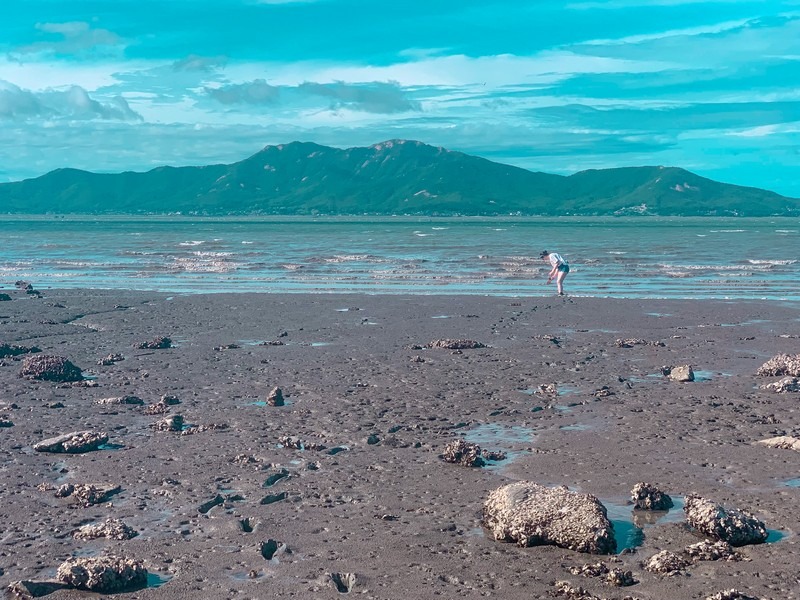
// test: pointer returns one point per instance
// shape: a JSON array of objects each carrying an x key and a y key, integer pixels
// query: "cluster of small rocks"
[
  {"x": 171, "y": 423},
  {"x": 731, "y": 594},
  {"x": 611, "y": 575},
  {"x": 780, "y": 365},
  {"x": 110, "y": 360},
  {"x": 87, "y": 494},
  {"x": 708, "y": 551},
  {"x": 135, "y": 400},
  {"x": 47, "y": 367},
  {"x": 448, "y": 344},
  {"x": 113, "y": 529},
  {"x": 784, "y": 442},
  {"x": 464, "y": 453},
  {"x": 295, "y": 443},
  {"x": 666, "y": 563},
  {"x": 631, "y": 342},
  {"x": 786, "y": 384},
  {"x": 162, "y": 406},
  {"x": 158, "y": 343},
  {"x": 28, "y": 288}
]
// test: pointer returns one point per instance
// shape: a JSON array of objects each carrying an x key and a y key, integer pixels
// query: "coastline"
[{"x": 352, "y": 366}]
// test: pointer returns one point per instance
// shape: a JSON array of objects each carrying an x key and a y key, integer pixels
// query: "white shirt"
[{"x": 556, "y": 260}]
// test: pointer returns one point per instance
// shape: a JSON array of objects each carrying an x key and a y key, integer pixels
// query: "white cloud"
[{"x": 75, "y": 37}]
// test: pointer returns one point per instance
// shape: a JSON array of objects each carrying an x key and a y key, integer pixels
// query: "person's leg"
[{"x": 560, "y": 282}]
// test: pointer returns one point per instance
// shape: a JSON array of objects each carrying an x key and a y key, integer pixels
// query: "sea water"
[{"x": 645, "y": 257}]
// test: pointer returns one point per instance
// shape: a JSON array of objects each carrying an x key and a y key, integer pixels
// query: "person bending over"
[{"x": 559, "y": 270}]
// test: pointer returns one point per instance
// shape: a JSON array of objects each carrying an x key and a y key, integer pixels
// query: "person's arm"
[{"x": 552, "y": 273}]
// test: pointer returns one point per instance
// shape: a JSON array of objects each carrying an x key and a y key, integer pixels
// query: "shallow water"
[{"x": 615, "y": 257}]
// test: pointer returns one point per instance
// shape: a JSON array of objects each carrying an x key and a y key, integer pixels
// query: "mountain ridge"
[{"x": 391, "y": 177}]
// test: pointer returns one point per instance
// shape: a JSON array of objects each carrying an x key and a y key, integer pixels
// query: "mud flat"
[{"x": 342, "y": 489}]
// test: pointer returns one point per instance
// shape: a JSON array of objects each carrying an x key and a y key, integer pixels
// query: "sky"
[{"x": 559, "y": 87}]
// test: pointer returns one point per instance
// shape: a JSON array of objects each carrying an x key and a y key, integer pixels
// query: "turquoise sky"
[{"x": 112, "y": 85}]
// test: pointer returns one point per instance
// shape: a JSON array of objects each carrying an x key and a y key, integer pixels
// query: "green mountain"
[{"x": 393, "y": 177}]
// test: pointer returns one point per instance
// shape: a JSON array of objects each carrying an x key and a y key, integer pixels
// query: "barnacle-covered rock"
[
  {"x": 110, "y": 360},
  {"x": 75, "y": 442},
  {"x": 112, "y": 529},
  {"x": 666, "y": 562},
  {"x": 47, "y": 367},
  {"x": 781, "y": 364},
  {"x": 87, "y": 494},
  {"x": 120, "y": 400},
  {"x": 681, "y": 373},
  {"x": 103, "y": 574},
  {"x": 786, "y": 384},
  {"x": 531, "y": 514},
  {"x": 731, "y": 594},
  {"x": 171, "y": 423},
  {"x": 708, "y": 550},
  {"x": 784, "y": 442},
  {"x": 731, "y": 525},
  {"x": 157, "y": 343},
  {"x": 275, "y": 397},
  {"x": 646, "y": 496},
  {"x": 456, "y": 344},
  {"x": 463, "y": 453}
]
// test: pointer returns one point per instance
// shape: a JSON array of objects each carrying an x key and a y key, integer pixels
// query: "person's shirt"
[{"x": 556, "y": 260}]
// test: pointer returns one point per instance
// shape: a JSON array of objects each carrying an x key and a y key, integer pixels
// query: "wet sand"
[{"x": 377, "y": 501}]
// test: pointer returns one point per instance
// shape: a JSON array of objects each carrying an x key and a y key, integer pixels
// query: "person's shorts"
[{"x": 563, "y": 268}]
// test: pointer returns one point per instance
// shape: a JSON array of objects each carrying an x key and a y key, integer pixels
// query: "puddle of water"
[
  {"x": 773, "y": 535},
  {"x": 286, "y": 402},
  {"x": 110, "y": 446},
  {"x": 629, "y": 524},
  {"x": 318, "y": 344},
  {"x": 657, "y": 314},
  {"x": 564, "y": 407},
  {"x": 491, "y": 433},
  {"x": 155, "y": 580},
  {"x": 792, "y": 483},
  {"x": 576, "y": 427},
  {"x": 441, "y": 317},
  {"x": 85, "y": 553},
  {"x": 567, "y": 390}
]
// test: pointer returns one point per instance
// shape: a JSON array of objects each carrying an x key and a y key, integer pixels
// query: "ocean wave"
[
  {"x": 342, "y": 258},
  {"x": 192, "y": 243},
  {"x": 772, "y": 262}
]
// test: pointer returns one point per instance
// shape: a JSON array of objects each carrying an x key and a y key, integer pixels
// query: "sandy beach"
[{"x": 365, "y": 505}]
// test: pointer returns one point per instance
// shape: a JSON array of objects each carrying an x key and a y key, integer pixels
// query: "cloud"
[
  {"x": 373, "y": 97},
  {"x": 17, "y": 104},
  {"x": 193, "y": 62},
  {"x": 76, "y": 37},
  {"x": 257, "y": 92}
]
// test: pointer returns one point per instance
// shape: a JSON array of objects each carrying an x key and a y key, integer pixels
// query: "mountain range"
[{"x": 396, "y": 177}]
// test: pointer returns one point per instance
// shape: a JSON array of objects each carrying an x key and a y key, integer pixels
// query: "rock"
[
  {"x": 169, "y": 400},
  {"x": 784, "y": 442},
  {"x": 173, "y": 423},
  {"x": 344, "y": 582},
  {"x": 110, "y": 360},
  {"x": 732, "y": 525},
  {"x": 157, "y": 343},
  {"x": 275, "y": 397},
  {"x": 120, "y": 400},
  {"x": 781, "y": 364},
  {"x": 226, "y": 347},
  {"x": 7, "y": 350},
  {"x": 572, "y": 592},
  {"x": 787, "y": 384},
  {"x": 531, "y": 514},
  {"x": 5, "y": 421},
  {"x": 49, "y": 368},
  {"x": 631, "y": 342},
  {"x": 76, "y": 442},
  {"x": 548, "y": 389},
  {"x": 456, "y": 344},
  {"x": 463, "y": 453},
  {"x": 113, "y": 529},
  {"x": 4, "y": 297},
  {"x": 682, "y": 373},
  {"x": 88, "y": 494},
  {"x": 28, "y": 590},
  {"x": 646, "y": 496},
  {"x": 666, "y": 562},
  {"x": 272, "y": 547},
  {"x": 103, "y": 574},
  {"x": 731, "y": 594},
  {"x": 708, "y": 550},
  {"x": 616, "y": 577}
]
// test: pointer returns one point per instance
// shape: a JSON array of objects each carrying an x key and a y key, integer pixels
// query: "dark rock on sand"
[
  {"x": 27, "y": 590},
  {"x": 344, "y": 582},
  {"x": 158, "y": 343},
  {"x": 646, "y": 496},
  {"x": 463, "y": 453},
  {"x": 75, "y": 442},
  {"x": 682, "y": 373},
  {"x": 631, "y": 342},
  {"x": 7, "y": 350},
  {"x": 531, "y": 514},
  {"x": 272, "y": 547},
  {"x": 5, "y": 421},
  {"x": 456, "y": 344},
  {"x": 275, "y": 397},
  {"x": 103, "y": 574},
  {"x": 666, "y": 563},
  {"x": 731, "y": 525},
  {"x": 113, "y": 529},
  {"x": 50, "y": 368},
  {"x": 4, "y": 297},
  {"x": 613, "y": 576},
  {"x": 781, "y": 364}
]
